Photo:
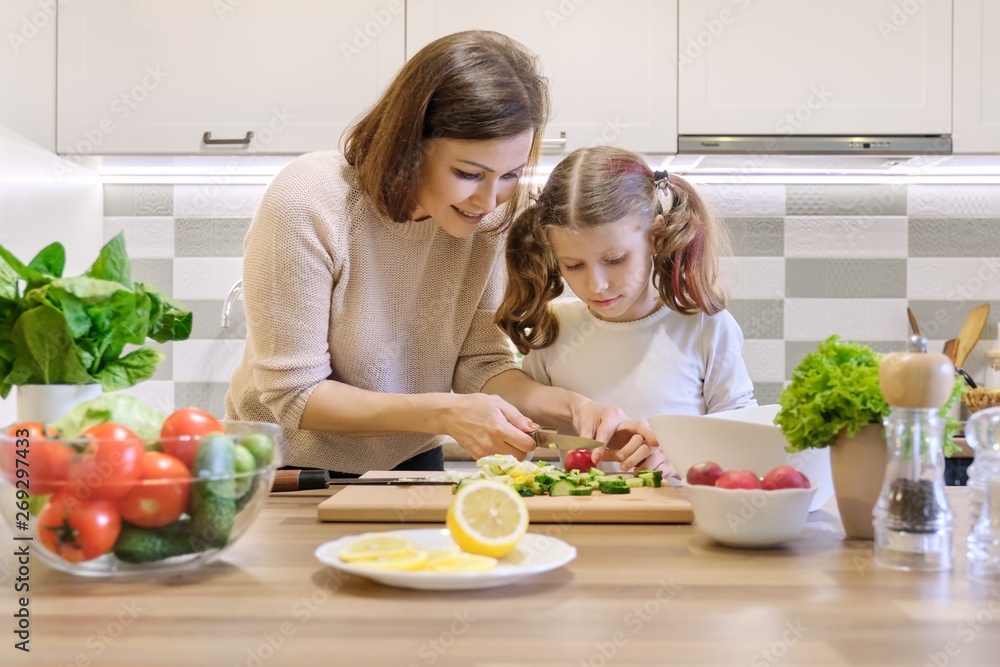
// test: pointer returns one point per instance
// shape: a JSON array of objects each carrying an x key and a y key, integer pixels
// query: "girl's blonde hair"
[
  {"x": 472, "y": 86},
  {"x": 592, "y": 187}
]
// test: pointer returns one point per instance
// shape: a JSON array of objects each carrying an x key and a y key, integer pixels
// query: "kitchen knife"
[
  {"x": 546, "y": 437},
  {"x": 305, "y": 480}
]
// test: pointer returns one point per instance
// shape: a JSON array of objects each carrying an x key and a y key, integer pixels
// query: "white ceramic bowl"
[
  {"x": 736, "y": 444},
  {"x": 749, "y": 518}
]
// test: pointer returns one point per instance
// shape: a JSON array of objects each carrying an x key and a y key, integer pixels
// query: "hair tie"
[{"x": 664, "y": 193}]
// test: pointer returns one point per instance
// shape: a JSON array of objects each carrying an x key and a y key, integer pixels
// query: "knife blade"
[
  {"x": 311, "y": 479},
  {"x": 546, "y": 437}
]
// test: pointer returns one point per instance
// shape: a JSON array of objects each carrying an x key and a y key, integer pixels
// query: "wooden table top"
[{"x": 635, "y": 595}]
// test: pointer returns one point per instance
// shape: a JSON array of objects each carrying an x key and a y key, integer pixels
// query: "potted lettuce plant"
[
  {"x": 834, "y": 401},
  {"x": 73, "y": 332}
]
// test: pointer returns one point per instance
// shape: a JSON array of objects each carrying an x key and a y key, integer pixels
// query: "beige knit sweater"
[{"x": 334, "y": 290}]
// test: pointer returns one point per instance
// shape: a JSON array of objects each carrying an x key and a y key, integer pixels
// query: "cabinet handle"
[
  {"x": 209, "y": 141},
  {"x": 554, "y": 145}
]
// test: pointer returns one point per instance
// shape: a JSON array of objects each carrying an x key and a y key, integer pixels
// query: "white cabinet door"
[
  {"x": 611, "y": 65},
  {"x": 801, "y": 67},
  {"x": 152, "y": 76},
  {"x": 977, "y": 76},
  {"x": 28, "y": 70}
]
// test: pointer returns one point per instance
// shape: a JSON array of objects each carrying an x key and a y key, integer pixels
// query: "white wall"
[{"x": 44, "y": 198}]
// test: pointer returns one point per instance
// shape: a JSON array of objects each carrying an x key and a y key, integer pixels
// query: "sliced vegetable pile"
[
  {"x": 542, "y": 478},
  {"x": 96, "y": 487}
]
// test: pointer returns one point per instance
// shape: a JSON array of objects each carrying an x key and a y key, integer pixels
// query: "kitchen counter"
[{"x": 635, "y": 595}]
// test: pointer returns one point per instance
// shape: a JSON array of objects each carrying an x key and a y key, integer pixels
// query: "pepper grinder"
[{"x": 913, "y": 521}]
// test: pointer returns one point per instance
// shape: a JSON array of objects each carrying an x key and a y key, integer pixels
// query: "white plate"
[{"x": 535, "y": 554}]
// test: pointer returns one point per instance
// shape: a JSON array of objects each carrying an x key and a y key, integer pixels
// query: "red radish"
[
  {"x": 738, "y": 479},
  {"x": 704, "y": 473},
  {"x": 785, "y": 477},
  {"x": 578, "y": 459}
]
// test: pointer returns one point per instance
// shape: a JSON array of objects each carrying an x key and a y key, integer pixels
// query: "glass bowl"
[{"x": 104, "y": 507}]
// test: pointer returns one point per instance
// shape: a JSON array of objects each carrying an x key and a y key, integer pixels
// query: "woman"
[{"x": 371, "y": 278}]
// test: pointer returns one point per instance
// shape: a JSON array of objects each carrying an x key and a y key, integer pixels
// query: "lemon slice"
[
  {"x": 377, "y": 545},
  {"x": 487, "y": 518},
  {"x": 413, "y": 560},
  {"x": 464, "y": 563},
  {"x": 440, "y": 557}
]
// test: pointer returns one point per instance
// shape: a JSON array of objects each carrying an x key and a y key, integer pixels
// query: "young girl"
[{"x": 650, "y": 332}]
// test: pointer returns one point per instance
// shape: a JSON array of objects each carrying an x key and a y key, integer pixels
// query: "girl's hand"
[
  {"x": 638, "y": 454},
  {"x": 630, "y": 442},
  {"x": 485, "y": 424}
]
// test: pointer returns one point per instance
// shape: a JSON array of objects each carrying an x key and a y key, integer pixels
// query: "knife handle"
[{"x": 300, "y": 480}]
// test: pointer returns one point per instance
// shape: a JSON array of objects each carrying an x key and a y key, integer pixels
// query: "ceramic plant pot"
[
  {"x": 858, "y": 466},
  {"x": 46, "y": 403}
]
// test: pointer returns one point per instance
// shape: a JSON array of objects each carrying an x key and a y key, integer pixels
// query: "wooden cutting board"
[{"x": 429, "y": 504}]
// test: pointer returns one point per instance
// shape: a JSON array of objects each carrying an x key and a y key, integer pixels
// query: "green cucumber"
[
  {"x": 635, "y": 482},
  {"x": 653, "y": 478},
  {"x": 613, "y": 487},
  {"x": 145, "y": 545},
  {"x": 581, "y": 491},
  {"x": 563, "y": 487},
  {"x": 596, "y": 472},
  {"x": 213, "y": 495}
]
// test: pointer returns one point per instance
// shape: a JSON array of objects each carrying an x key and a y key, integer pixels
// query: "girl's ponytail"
[
  {"x": 685, "y": 251},
  {"x": 533, "y": 280}
]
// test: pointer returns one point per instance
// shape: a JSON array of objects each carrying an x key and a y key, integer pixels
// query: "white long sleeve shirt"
[{"x": 666, "y": 363}]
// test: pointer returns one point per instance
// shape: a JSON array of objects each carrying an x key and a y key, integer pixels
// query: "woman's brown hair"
[
  {"x": 473, "y": 86},
  {"x": 592, "y": 187}
]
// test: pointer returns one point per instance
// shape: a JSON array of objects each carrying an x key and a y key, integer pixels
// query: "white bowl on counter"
[
  {"x": 751, "y": 518},
  {"x": 737, "y": 444}
]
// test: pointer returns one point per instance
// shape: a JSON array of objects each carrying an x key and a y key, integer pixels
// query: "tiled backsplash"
[{"x": 808, "y": 261}]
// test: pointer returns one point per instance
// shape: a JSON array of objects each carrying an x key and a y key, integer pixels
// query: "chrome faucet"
[{"x": 227, "y": 307}]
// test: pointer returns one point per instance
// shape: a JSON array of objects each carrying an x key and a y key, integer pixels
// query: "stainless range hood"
[{"x": 815, "y": 145}]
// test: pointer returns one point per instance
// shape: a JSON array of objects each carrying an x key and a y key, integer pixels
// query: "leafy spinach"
[{"x": 56, "y": 330}]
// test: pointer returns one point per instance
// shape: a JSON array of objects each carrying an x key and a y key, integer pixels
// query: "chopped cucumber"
[
  {"x": 562, "y": 488},
  {"x": 596, "y": 472},
  {"x": 613, "y": 487},
  {"x": 635, "y": 482},
  {"x": 653, "y": 478},
  {"x": 581, "y": 491}
]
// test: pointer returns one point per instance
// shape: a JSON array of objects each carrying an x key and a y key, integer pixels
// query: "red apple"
[
  {"x": 704, "y": 473},
  {"x": 738, "y": 479},
  {"x": 578, "y": 459},
  {"x": 785, "y": 477}
]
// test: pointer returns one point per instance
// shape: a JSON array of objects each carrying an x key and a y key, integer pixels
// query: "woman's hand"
[{"x": 484, "y": 424}]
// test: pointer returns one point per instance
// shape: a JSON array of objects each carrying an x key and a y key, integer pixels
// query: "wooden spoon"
[
  {"x": 949, "y": 349},
  {"x": 913, "y": 322},
  {"x": 971, "y": 331}
]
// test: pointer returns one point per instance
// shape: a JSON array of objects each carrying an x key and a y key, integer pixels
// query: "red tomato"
[
  {"x": 78, "y": 530},
  {"x": 578, "y": 459},
  {"x": 182, "y": 430},
  {"x": 46, "y": 463},
  {"x": 162, "y": 495},
  {"x": 109, "y": 466}
]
